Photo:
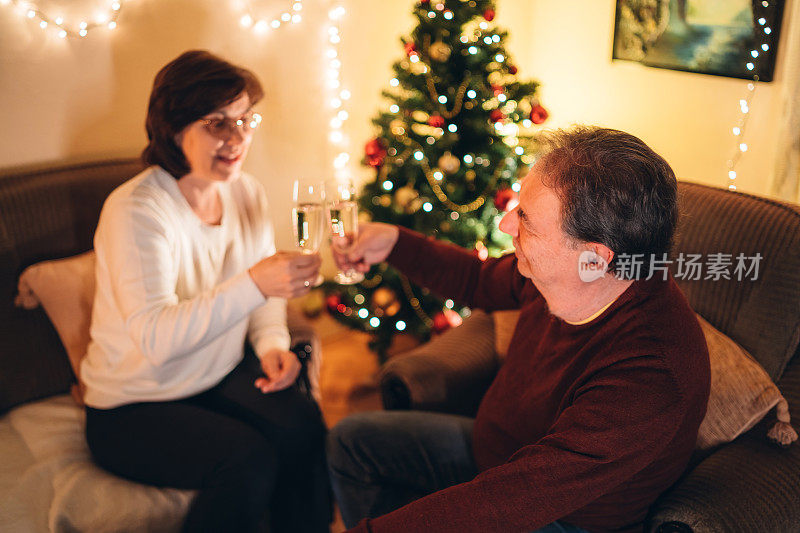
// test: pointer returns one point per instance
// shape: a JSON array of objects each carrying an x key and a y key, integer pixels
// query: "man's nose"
[{"x": 510, "y": 223}]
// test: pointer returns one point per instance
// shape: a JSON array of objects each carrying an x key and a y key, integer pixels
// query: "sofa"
[
  {"x": 746, "y": 485},
  {"x": 47, "y": 479}
]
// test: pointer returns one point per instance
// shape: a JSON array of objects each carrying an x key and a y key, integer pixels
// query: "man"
[{"x": 595, "y": 411}]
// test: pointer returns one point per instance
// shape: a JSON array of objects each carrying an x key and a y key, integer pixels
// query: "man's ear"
[{"x": 606, "y": 253}]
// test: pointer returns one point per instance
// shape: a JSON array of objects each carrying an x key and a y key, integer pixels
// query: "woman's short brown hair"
[{"x": 186, "y": 89}]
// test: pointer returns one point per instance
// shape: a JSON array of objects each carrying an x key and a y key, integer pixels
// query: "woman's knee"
[{"x": 305, "y": 429}]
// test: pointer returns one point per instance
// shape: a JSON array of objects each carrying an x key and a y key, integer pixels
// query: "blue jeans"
[{"x": 383, "y": 460}]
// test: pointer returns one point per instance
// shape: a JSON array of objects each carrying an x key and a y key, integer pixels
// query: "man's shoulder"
[{"x": 663, "y": 326}]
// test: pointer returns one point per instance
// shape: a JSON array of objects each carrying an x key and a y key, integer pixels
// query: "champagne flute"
[
  {"x": 343, "y": 219},
  {"x": 308, "y": 216}
]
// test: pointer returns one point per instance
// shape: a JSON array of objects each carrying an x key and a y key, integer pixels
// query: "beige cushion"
[
  {"x": 59, "y": 488},
  {"x": 741, "y": 391},
  {"x": 504, "y": 324},
  {"x": 65, "y": 289}
]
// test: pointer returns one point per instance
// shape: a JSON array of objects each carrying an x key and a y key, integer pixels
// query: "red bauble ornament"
[
  {"x": 497, "y": 90},
  {"x": 496, "y": 115},
  {"x": 411, "y": 49},
  {"x": 424, "y": 2},
  {"x": 375, "y": 150},
  {"x": 506, "y": 199},
  {"x": 437, "y": 121},
  {"x": 489, "y": 14},
  {"x": 539, "y": 114},
  {"x": 440, "y": 323},
  {"x": 445, "y": 320},
  {"x": 512, "y": 69},
  {"x": 332, "y": 301}
]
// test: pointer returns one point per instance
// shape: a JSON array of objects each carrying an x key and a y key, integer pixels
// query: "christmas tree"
[{"x": 455, "y": 139}]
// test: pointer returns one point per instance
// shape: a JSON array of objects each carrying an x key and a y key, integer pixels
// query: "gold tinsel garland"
[
  {"x": 414, "y": 301},
  {"x": 434, "y": 94},
  {"x": 433, "y": 182},
  {"x": 375, "y": 280}
]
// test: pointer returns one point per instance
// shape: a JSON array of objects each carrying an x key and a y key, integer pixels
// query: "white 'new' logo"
[{"x": 591, "y": 266}]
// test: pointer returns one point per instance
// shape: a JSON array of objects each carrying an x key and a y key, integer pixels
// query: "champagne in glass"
[
  {"x": 343, "y": 218},
  {"x": 309, "y": 226},
  {"x": 308, "y": 217}
]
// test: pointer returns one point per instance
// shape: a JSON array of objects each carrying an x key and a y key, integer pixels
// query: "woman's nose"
[{"x": 235, "y": 135}]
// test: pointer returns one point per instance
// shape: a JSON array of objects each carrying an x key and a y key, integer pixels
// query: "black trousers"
[{"x": 257, "y": 459}]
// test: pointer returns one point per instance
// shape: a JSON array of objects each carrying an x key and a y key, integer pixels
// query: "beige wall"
[
  {"x": 79, "y": 99},
  {"x": 87, "y": 98},
  {"x": 686, "y": 117}
]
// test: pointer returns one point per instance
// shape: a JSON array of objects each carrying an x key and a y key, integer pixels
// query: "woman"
[{"x": 186, "y": 269}]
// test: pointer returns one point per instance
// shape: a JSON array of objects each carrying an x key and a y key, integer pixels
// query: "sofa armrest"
[
  {"x": 747, "y": 485},
  {"x": 301, "y": 330},
  {"x": 448, "y": 374}
]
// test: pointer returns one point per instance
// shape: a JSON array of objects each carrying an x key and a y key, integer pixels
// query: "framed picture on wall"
[{"x": 735, "y": 38}]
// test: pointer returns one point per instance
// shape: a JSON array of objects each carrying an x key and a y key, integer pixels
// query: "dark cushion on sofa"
[
  {"x": 44, "y": 214},
  {"x": 761, "y": 315}
]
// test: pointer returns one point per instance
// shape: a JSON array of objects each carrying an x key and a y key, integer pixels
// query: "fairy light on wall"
[
  {"x": 63, "y": 28},
  {"x": 337, "y": 95},
  {"x": 260, "y": 25},
  {"x": 757, "y": 55}
]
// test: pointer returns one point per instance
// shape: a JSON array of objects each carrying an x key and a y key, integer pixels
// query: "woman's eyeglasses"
[{"x": 223, "y": 127}]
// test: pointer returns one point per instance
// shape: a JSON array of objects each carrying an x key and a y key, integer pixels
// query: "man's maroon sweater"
[{"x": 584, "y": 423}]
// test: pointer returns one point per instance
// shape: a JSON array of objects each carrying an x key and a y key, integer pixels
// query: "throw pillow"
[
  {"x": 65, "y": 289},
  {"x": 741, "y": 394},
  {"x": 741, "y": 390},
  {"x": 505, "y": 322}
]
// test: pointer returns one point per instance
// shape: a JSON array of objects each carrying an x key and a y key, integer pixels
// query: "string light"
[
  {"x": 62, "y": 28},
  {"x": 261, "y": 26},
  {"x": 337, "y": 94},
  {"x": 744, "y": 103}
]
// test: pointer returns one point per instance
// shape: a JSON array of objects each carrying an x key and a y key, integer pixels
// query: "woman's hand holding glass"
[{"x": 286, "y": 274}]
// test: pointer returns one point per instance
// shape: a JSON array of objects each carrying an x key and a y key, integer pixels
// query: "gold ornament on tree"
[
  {"x": 439, "y": 51},
  {"x": 449, "y": 163},
  {"x": 385, "y": 302},
  {"x": 404, "y": 196}
]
